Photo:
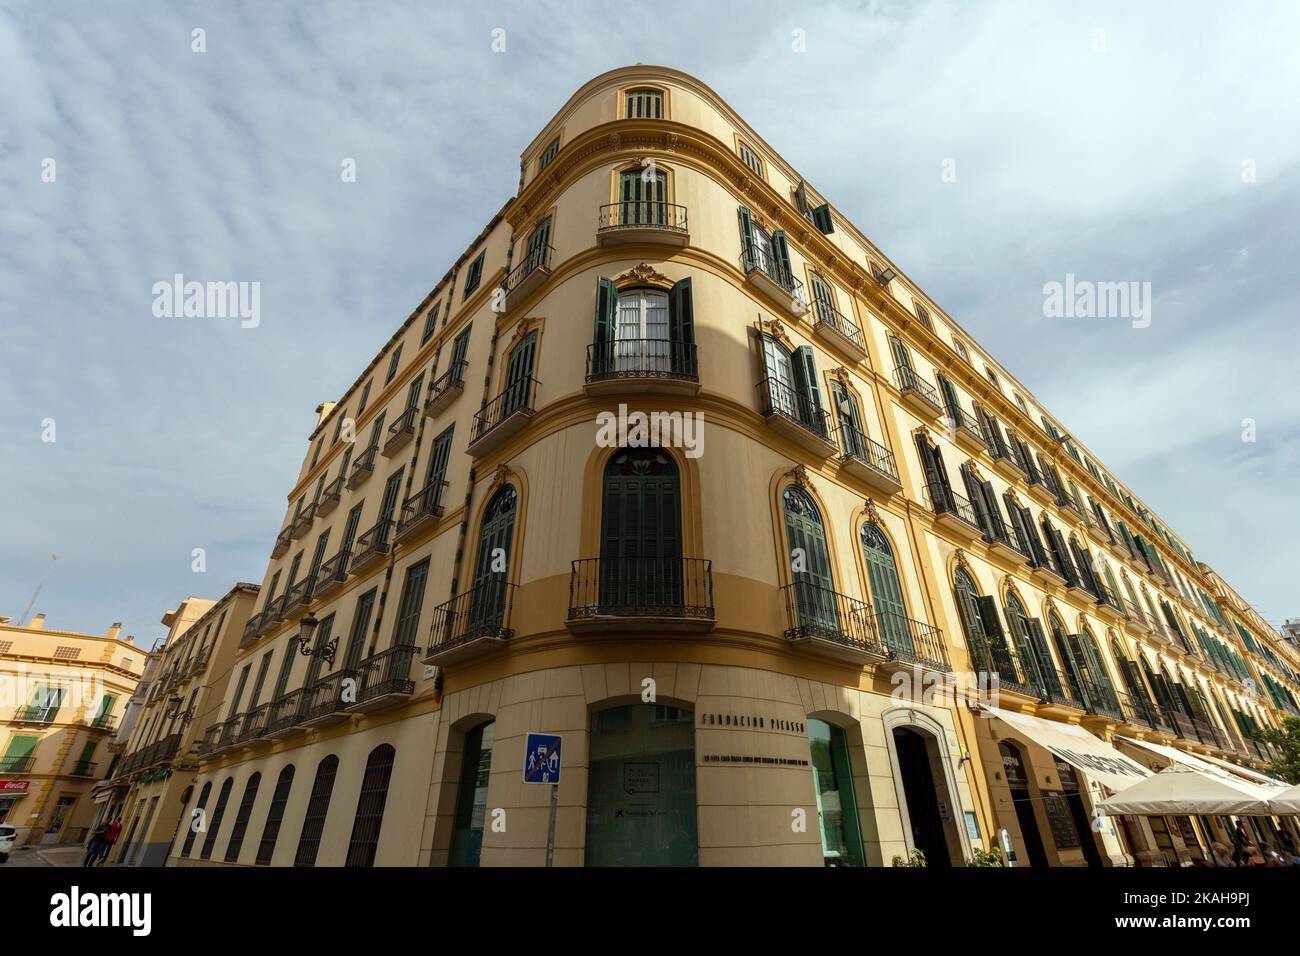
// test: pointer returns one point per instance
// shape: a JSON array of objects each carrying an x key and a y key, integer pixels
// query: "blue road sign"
[{"x": 542, "y": 758}]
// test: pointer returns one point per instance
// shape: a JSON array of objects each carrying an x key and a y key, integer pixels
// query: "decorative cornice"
[
  {"x": 799, "y": 476},
  {"x": 869, "y": 505},
  {"x": 642, "y": 274}
]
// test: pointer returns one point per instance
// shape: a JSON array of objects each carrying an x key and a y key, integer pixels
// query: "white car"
[{"x": 7, "y": 836}]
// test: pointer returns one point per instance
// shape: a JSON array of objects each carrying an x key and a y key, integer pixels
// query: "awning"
[
  {"x": 1288, "y": 801},
  {"x": 1180, "y": 789},
  {"x": 1198, "y": 763},
  {"x": 1252, "y": 776},
  {"x": 1084, "y": 751}
]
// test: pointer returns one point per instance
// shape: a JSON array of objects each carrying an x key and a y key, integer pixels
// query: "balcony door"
[
  {"x": 640, "y": 532},
  {"x": 642, "y": 342},
  {"x": 487, "y": 602},
  {"x": 853, "y": 438},
  {"x": 519, "y": 374},
  {"x": 535, "y": 251},
  {"x": 886, "y": 591},
  {"x": 641, "y": 196},
  {"x": 780, "y": 385},
  {"x": 810, "y": 564}
]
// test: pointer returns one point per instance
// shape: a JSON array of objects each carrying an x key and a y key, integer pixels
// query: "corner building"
[{"x": 720, "y": 631}]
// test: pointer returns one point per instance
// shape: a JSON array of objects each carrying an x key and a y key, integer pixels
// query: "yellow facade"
[
  {"x": 792, "y": 578},
  {"x": 65, "y": 695}
]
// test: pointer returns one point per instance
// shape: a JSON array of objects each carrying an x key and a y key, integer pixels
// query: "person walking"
[
  {"x": 97, "y": 845},
  {"x": 110, "y": 840}
]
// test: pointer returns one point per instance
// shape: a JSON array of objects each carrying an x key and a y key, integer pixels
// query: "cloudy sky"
[{"x": 1151, "y": 142}]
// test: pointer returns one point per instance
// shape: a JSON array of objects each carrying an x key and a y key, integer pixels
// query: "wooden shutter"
[
  {"x": 810, "y": 399},
  {"x": 821, "y": 217},
  {"x": 781, "y": 252},
  {"x": 681, "y": 327},
  {"x": 747, "y": 237}
]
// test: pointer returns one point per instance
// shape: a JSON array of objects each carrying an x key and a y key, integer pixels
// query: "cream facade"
[
  {"x": 745, "y": 636},
  {"x": 64, "y": 696},
  {"x": 154, "y": 778}
]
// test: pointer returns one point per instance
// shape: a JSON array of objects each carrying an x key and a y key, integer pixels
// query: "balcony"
[
  {"x": 502, "y": 417},
  {"x": 638, "y": 595},
  {"x": 445, "y": 389},
  {"x": 252, "y": 628},
  {"x": 830, "y": 624},
  {"x": 1049, "y": 572},
  {"x": 363, "y": 467},
  {"x": 1109, "y": 604},
  {"x": 472, "y": 624},
  {"x": 918, "y": 395},
  {"x": 372, "y": 546},
  {"x": 273, "y": 613},
  {"x": 104, "y": 722},
  {"x": 994, "y": 658},
  {"x": 838, "y": 329},
  {"x": 911, "y": 643},
  {"x": 17, "y": 764},
  {"x": 198, "y": 665},
  {"x": 1006, "y": 457},
  {"x": 1057, "y": 693},
  {"x": 967, "y": 431},
  {"x": 163, "y": 751},
  {"x": 1039, "y": 490},
  {"x": 524, "y": 278},
  {"x": 324, "y": 702},
  {"x": 868, "y": 461},
  {"x": 953, "y": 512},
  {"x": 769, "y": 277},
  {"x": 421, "y": 510},
  {"x": 796, "y": 417},
  {"x": 302, "y": 524},
  {"x": 384, "y": 679},
  {"x": 299, "y": 595},
  {"x": 657, "y": 366},
  {"x": 281, "y": 546},
  {"x": 330, "y": 497},
  {"x": 207, "y": 744},
  {"x": 285, "y": 715},
  {"x": 628, "y": 223},
  {"x": 254, "y": 725},
  {"x": 35, "y": 715},
  {"x": 331, "y": 574},
  {"x": 401, "y": 432},
  {"x": 83, "y": 768}
]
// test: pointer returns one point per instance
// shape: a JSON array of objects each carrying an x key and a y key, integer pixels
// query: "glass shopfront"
[{"x": 641, "y": 787}]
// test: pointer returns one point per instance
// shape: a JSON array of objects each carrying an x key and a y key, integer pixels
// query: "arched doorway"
[
  {"x": 641, "y": 808},
  {"x": 810, "y": 564},
  {"x": 837, "y": 808},
  {"x": 471, "y": 796},
  {"x": 491, "y": 567},
  {"x": 640, "y": 531},
  {"x": 929, "y": 806},
  {"x": 1016, "y": 771},
  {"x": 886, "y": 591}
]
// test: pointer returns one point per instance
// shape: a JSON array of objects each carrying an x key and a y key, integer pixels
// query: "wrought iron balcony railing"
[
  {"x": 285, "y": 712},
  {"x": 363, "y": 467},
  {"x": 299, "y": 594},
  {"x": 325, "y": 698},
  {"x": 942, "y": 500},
  {"x": 642, "y": 359},
  {"x": 642, "y": 214},
  {"x": 330, "y": 496},
  {"x": 402, "y": 430},
  {"x": 376, "y": 542},
  {"x": 386, "y": 674},
  {"x": 756, "y": 261},
  {"x": 481, "y": 612},
  {"x": 84, "y": 768},
  {"x": 777, "y": 399},
  {"x": 668, "y": 588},
  {"x": 302, "y": 522},
  {"x": 911, "y": 384},
  {"x": 254, "y": 724},
  {"x": 829, "y": 317},
  {"x": 534, "y": 260},
  {"x": 208, "y": 742},
  {"x": 421, "y": 506},
  {"x": 912, "y": 641},
  {"x": 516, "y": 399},
  {"x": 856, "y": 445},
  {"x": 333, "y": 571},
  {"x": 17, "y": 764},
  {"x": 967, "y": 426},
  {"x": 282, "y": 542},
  {"x": 818, "y": 613},
  {"x": 443, "y": 388},
  {"x": 36, "y": 715}
]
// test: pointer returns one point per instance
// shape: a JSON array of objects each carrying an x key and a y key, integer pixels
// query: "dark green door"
[
  {"x": 810, "y": 565},
  {"x": 642, "y": 197},
  {"x": 640, "y": 528},
  {"x": 886, "y": 591},
  {"x": 519, "y": 374},
  {"x": 487, "y": 602}
]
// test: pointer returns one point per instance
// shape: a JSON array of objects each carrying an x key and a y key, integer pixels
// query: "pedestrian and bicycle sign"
[{"x": 542, "y": 758}]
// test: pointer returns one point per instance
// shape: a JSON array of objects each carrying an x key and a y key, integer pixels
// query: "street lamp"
[
  {"x": 306, "y": 631},
  {"x": 173, "y": 710}
]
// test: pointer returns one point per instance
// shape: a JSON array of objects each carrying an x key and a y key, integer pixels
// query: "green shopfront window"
[
  {"x": 641, "y": 787},
  {"x": 837, "y": 811},
  {"x": 471, "y": 797}
]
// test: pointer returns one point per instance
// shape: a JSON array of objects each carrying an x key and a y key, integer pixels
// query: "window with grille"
[
  {"x": 645, "y": 104},
  {"x": 274, "y": 816},
  {"x": 241, "y": 818},
  {"x": 548, "y": 154},
  {"x": 370, "y": 807},
  {"x": 751, "y": 159},
  {"x": 214, "y": 825},
  {"x": 313, "y": 824},
  {"x": 66, "y": 653}
]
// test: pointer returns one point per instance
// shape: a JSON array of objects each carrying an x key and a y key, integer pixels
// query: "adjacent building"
[
  {"x": 675, "y": 464},
  {"x": 63, "y": 696},
  {"x": 188, "y": 676}
]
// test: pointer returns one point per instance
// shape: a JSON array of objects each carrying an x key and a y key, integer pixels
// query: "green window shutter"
[
  {"x": 681, "y": 314},
  {"x": 988, "y": 612},
  {"x": 88, "y": 751},
  {"x": 949, "y": 397},
  {"x": 21, "y": 746},
  {"x": 821, "y": 217},
  {"x": 606, "y": 311},
  {"x": 805, "y": 378},
  {"x": 747, "y": 237},
  {"x": 782, "y": 253},
  {"x": 902, "y": 358}
]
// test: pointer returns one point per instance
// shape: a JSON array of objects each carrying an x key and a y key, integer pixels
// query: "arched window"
[
  {"x": 886, "y": 591},
  {"x": 491, "y": 569},
  {"x": 192, "y": 823},
  {"x": 241, "y": 818},
  {"x": 837, "y": 809},
  {"x": 274, "y": 816},
  {"x": 1075, "y": 674},
  {"x": 313, "y": 823},
  {"x": 518, "y": 391},
  {"x": 853, "y": 437},
  {"x": 983, "y": 629},
  {"x": 640, "y": 531},
  {"x": 471, "y": 796},
  {"x": 214, "y": 825},
  {"x": 370, "y": 807},
  {"x": 810, "y": 565},
  {"x": 1031, "y": 644}
]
